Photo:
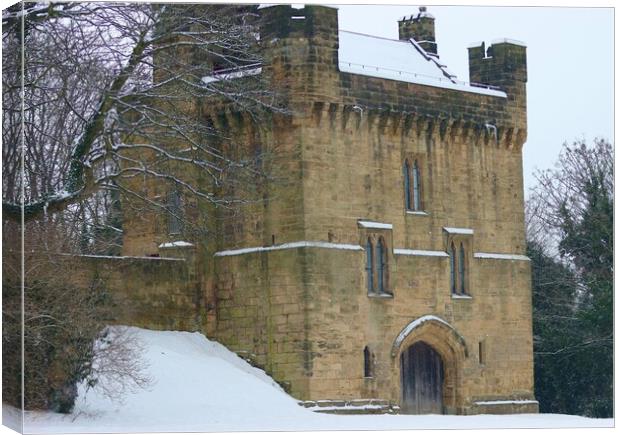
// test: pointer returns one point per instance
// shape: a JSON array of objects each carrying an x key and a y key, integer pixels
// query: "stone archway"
[{"x": 447, "y": 348}]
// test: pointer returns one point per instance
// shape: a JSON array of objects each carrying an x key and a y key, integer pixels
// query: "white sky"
[{"x": 570, "y": 55}]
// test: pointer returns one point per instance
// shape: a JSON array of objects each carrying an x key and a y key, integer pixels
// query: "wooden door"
[{"x": 421, "y": 380}]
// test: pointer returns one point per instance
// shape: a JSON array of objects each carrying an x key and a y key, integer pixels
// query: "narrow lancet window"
[
  {"x": 462, "y": 287},
  {"x": 407, "y": 175},
  {"x": 381, "y": 266},
  {"x": 416, "y": 186},
  {"x": 369, "y": 266},
  {"x": 452, "y": 268},
  {"x": 367, "y": 363},
  {"x": 175, "y": 219}
]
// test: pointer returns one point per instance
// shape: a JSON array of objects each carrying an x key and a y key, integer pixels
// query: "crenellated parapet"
[
  {"x": 284, "y": 21},
  {"x": 386, "y": 121},
  {"x": 301, "y": 46}
]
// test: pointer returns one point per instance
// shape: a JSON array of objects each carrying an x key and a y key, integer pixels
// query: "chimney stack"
[{"x": 420, "y": 28}]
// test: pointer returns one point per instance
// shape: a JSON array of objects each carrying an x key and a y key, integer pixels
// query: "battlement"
[
  {"x": 310, "y": 21},
  {"x": 502, "y": 64},
  {"x": 309, "y": 55}
]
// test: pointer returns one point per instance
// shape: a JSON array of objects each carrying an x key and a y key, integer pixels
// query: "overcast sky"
[{"x": 570, "y": 63}]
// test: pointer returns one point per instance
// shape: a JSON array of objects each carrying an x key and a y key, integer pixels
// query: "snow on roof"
[
  {"x": 498, "y": 41},
  {"x": 508, "y": 41},
  {"x": 398, "y": 60}
]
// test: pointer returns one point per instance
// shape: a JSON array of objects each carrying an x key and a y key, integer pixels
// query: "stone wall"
[
  {"x": 261, "y": 303},
  {"x": 154, "y": 293}
]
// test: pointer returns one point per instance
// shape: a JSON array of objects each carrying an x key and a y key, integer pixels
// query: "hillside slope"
[{"x": 201, "y": 386}]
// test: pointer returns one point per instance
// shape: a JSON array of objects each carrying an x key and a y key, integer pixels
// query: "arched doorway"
[
  {"x": 450, "y": 349},
  {"x": 422, "y": 379}
]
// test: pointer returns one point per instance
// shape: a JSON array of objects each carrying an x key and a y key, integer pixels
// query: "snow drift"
[{"x": 199, "y": 385}]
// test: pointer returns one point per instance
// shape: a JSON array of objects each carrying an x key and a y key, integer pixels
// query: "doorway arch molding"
[
  {"x": 420, "y": 327},
  {"x": 447, "y": 342}
]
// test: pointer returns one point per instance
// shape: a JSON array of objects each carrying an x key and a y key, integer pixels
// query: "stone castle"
[{"x": 386, "y": 272}]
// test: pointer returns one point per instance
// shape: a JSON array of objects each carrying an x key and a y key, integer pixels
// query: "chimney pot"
[{"x": 420, "y": 28}]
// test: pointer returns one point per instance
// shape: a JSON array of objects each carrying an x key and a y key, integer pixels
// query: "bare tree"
[
  {"x": 112, "y": 98},
  {"x": 114, "y": 92},
  {"x": 66, "y": 339},
  {"x": 563, "y": 192}
]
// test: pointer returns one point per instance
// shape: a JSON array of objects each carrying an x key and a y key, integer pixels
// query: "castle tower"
[{"x": 391, "y": 235}]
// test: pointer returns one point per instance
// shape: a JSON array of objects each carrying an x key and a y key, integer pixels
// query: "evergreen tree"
[{"x": 573, "y": 288}]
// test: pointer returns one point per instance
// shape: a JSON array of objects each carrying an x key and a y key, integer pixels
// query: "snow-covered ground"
[{"x": 200, "y": 386}]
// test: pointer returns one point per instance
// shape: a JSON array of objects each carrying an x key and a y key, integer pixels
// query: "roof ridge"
[{"x": 372, "y": 36}]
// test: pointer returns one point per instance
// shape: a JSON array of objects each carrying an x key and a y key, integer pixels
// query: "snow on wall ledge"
[
  {"x": 126, "y": 257},
  {"x": 351, "y": 247},
  {"x": 419, "y": 252},
  {"x": 177, "y": 244},
  {"x": 292, "y": 245},
  {"x": 506, "y": 402},
  {"x": 463, "y": 231},
  {"x": 375, "y": 225},
  {"x": 490, "y": 255}
]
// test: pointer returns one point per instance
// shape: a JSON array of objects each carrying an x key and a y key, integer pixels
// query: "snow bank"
[{"x": 201, "y": 386}]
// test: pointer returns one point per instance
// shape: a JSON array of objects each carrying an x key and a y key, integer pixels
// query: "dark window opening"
[
  {"x": 462, "y": 269},
  {"x": 416, "y": 187},
  {"x": 407, "y": 175},
  {"x": 481, "y": 352},
  {"x": 458, "y": 269},
  {"x": 367, "y": 363},
  {"x": 381, "y": 266},
  {"x": 175, "y": 213},
  {"x": 452, "y": 269},
  {"x": 369, "y": 266}
]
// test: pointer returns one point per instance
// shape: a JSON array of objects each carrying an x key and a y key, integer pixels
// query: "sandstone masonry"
[{"x": 394, "y": 217}]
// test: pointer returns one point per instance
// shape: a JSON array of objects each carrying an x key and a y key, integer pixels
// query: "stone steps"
[{"x": 357, "y": 406}]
